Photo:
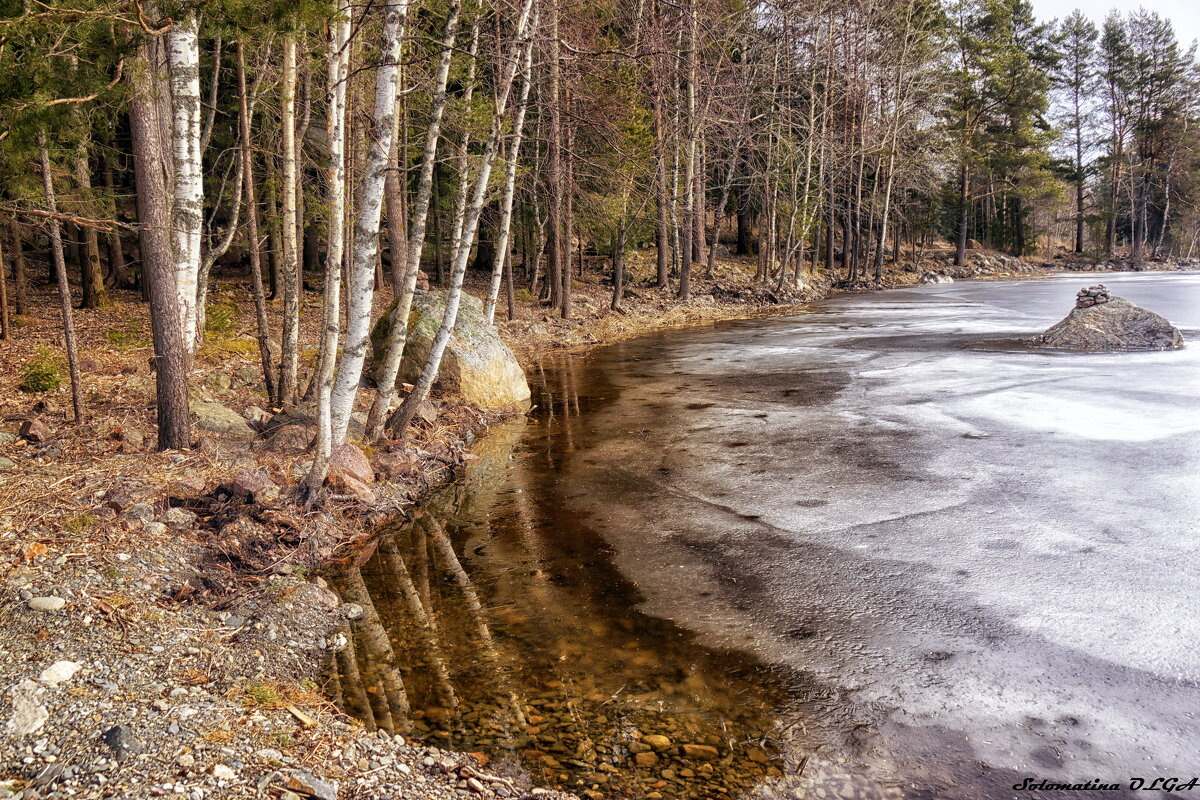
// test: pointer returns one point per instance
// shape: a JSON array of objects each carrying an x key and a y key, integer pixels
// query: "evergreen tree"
[{"x": 1077, "y": 81}]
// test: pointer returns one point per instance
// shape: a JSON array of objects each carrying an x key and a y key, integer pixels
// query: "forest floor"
[{"x": 166, "y": 628}]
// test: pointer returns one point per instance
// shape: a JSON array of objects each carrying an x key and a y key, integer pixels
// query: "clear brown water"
[{"x": 529, "y": 646}]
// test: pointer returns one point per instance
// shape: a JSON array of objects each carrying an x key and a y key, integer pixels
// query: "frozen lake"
[
  {"x": 985, "y": 554},
  {"x": 886, "y": 549}
]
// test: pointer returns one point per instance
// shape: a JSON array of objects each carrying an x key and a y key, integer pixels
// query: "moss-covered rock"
[{"x": 477, "y": 366}]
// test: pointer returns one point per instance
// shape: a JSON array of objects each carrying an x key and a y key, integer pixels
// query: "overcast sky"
[{"x": 1184, "y": 14}]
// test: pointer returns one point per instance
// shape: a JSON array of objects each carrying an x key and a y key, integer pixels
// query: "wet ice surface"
[{"x": 985, "y": 552}]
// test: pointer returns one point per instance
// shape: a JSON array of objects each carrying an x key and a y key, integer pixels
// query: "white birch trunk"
[
  {"x": 338, "y": 71},
  {"x": 466, "y": 233},
  {"x": 416, "y": 241},
  {"x": 510, "y": 183},
  {"x": 366, "y": 226},
  {"x": 188, "y": 190}
]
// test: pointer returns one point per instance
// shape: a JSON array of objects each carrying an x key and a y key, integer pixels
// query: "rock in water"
[
  {"x": 477, "y": 366},
  {"x": 935, "y": 277},
  {"x": 1115, "y": 324}
]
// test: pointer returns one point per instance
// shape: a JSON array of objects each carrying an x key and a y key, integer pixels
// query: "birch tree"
[
  {"x": 510, "y": 183},
  {"x": 187, "y": 206},
  {"x": 361, "y": 287},
  {"x": 402, "y": 306},
  {"x": 466, "y": 235},
  {"x": 338, "y": 69},
  {"x": 289, "y": 352}
]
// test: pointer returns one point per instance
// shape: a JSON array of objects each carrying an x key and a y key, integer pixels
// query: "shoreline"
[{"x": 196, "y": 651}]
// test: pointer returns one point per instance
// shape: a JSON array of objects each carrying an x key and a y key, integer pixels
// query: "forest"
[{"x": 348, "y": 151}]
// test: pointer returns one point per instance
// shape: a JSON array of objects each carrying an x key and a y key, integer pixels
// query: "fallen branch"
[{"x": 105, "y": 225}]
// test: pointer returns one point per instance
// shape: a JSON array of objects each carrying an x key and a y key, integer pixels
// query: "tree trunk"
[
  {"x": 398, "y": 335},
  {"x": 20, "y": 281},
  {"x": 64, "y": 288},
  {"x": 148, "y": 120},
  {"x": 510, "y": 183},
  {"x": 366, "y": 234},
  {"x": 338, "y": 71},
  {"x": 1079, "y": 179},
  {"x": 568, "y": 222},
  {"x": 560, "y": 270},
  {"x": 187, "y": 208},
  {"x": 964, "y": 207},
  {"x": 289, "y": 351},
  {"x": 274, "y": 240},
  {"x": 118, "y": 274},
  {"x": 662, "y": 237},
  {"x": 618, "y": 257},
  {"x": 726, "y": 184},
  {"x": 4, "y": 330},
  {"x": 90, "y": 273},
  {"x": 246, "y": 120},
  {"x": 466, "y": 234},
  {"x": 693, "y": 134}
]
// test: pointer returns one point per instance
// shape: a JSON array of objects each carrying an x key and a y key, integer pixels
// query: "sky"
[{"x": 1184, "y": 14}]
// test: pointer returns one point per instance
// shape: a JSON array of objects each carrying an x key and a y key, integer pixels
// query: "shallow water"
[{"x": 883, "y": 549}]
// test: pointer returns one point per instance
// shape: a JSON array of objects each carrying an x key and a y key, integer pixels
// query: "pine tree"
[{"x": 1077, "y": 80}]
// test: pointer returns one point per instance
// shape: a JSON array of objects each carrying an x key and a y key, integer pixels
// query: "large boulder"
[
  {"x": 934, "y": 277},
  {"x": 477, "y": 366},
  {"x": 1115, "y": 324},
  {"x": 213, "y": 417}
]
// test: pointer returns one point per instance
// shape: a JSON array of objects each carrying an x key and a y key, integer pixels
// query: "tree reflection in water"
[{"x": 517, "y": 637}]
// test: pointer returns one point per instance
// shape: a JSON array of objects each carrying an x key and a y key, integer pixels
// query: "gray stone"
[
  {"x": 47, "y": 603},
  {"x": 7, "y": 438},
  {"x": 140, "y": 512},
  {"x": 348, "y": 460},
  {"x": 256, "y": 416},
  {"x": 247, "y": 375},
  {"x": 59, "y": 672},
  {"x": 219, "y": 381},
  {"x": 290, "y": 438},
  {"x": 132, "y": 441},
  {"x": 223, "y": 772},
  {"x": 934, "y": 277},
  {"x": 121, "y": 741},
  {"x": 305, "y": 783},
  {"x": 7, "y": 464},
  {"x": 1117, "y": 325},
  {"x": 477, "y": 365},
  {"x": 35, "y": 431},
  {"x": 28, "y": 714},
  {"x": 216, "y": 418},
  {"x": 178, "y": 518},
  {"x": 257, "y": 485}
]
